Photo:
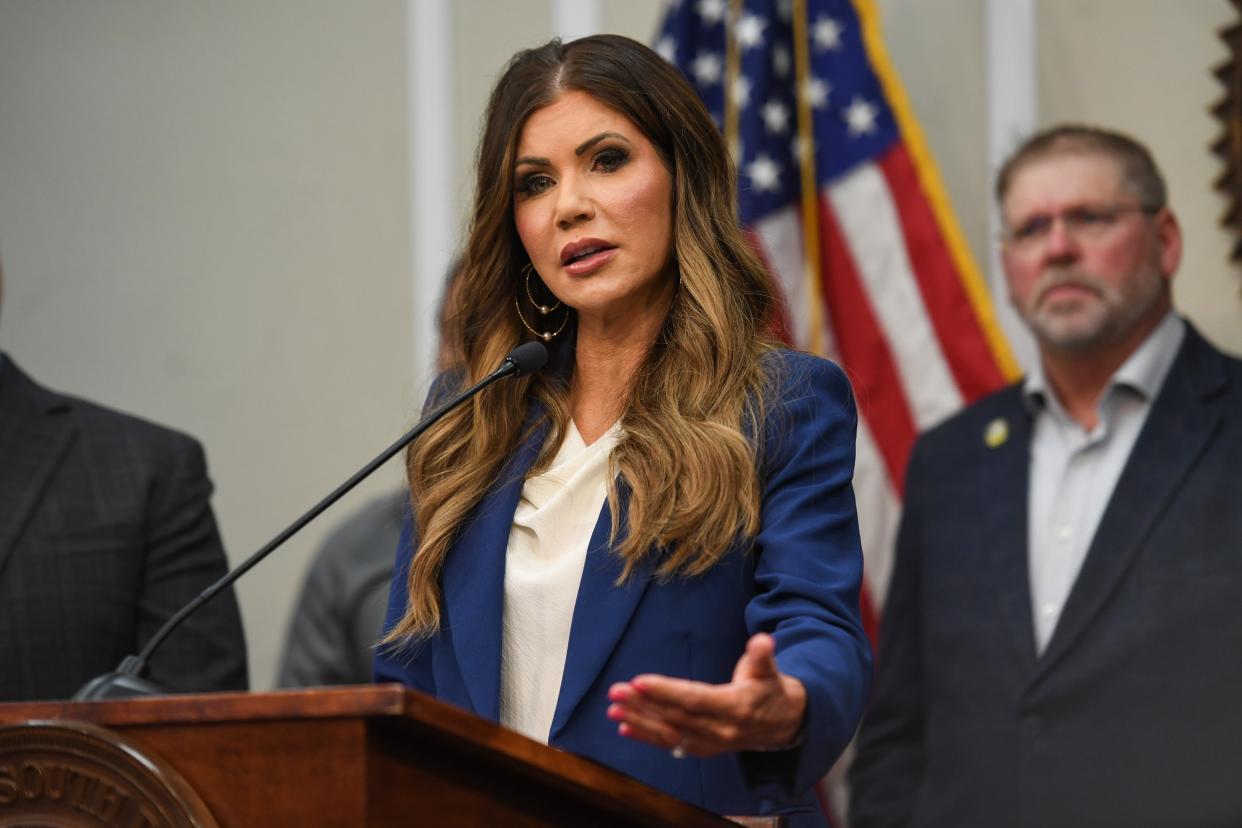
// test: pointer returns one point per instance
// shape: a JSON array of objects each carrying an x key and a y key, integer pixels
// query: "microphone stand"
[{"x": 128, "y": 678}]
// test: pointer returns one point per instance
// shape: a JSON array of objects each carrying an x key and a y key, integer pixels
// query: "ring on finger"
[{"x": 679, "y": 749}]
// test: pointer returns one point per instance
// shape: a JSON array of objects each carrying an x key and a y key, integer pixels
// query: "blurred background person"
[
  {"x": 1060, "y": 641},
  {"x": 106, "y": 530},
  {"x": 340, "y": 611}
]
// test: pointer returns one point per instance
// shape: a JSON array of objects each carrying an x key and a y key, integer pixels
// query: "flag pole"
[
  {"x": 810, "y": 187},
  {"x": 733, "y": 68}
]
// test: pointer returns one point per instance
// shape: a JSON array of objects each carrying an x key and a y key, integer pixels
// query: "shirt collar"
[{"x": 1144, "y": 371}]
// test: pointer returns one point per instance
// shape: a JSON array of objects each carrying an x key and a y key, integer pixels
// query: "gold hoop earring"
[
  {"x": 546, "y": 336},
  {"x": 544, "y": 310}
]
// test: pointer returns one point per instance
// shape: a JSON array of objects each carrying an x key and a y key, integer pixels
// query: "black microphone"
[{"x": 127, "y": 680}]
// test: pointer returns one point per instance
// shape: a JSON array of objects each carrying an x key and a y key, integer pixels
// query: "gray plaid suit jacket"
[{"x": 105, "y": 531}]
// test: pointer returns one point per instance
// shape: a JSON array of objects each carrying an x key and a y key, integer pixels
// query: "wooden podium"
[{"x": 354, "y": 756}]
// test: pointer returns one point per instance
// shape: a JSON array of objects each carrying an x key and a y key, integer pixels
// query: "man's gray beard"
[{"x": 1115, "y": 314}]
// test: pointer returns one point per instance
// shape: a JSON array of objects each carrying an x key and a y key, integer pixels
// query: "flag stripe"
[
  {"x": 782, "y": 321},
  {"x": 957, "y": 327},
  {"x": 780, "y": 237},
  {"x": 879, "y": 510},
  {"x": 865, "y": 352},
  {"x": 870, "y": 227},
  {"x": 879, "y": 507},
  {"x": 931, "y": 185}
]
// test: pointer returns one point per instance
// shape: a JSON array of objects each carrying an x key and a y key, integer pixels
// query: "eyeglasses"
[{"x": 1087, "y": 223}]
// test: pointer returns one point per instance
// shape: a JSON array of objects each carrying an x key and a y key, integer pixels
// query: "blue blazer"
[{"x": 798, "y": 580}]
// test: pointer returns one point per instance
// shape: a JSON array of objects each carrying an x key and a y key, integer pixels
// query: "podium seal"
[{"x": 68, "y": 774}]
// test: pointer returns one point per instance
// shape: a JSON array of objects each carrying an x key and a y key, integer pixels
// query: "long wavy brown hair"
[{"x": 688, "y": 454}]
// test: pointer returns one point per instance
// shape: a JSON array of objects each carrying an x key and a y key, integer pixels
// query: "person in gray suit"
[
  {"x": 106, "y": 530},
  {"x": 340, "y": 611},
  {"x": 1062, "y": 639}
]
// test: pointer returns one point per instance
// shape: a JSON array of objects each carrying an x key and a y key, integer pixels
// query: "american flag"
[{"x": 842, "y": 201}]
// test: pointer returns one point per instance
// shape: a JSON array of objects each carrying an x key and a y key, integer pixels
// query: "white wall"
[
  {"x": 203, "y": 220},
  {"x": 1144, "y": 66},
  {"x": 204, "y": 212}
]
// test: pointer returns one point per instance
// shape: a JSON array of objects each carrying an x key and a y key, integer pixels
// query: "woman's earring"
[{"x": 544, "y": 310}]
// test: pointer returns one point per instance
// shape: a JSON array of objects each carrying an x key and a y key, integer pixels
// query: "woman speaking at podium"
[{"x": 648, "y": 553}]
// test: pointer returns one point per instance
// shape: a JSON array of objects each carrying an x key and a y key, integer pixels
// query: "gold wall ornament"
[{"x": 1228, "y": 146}]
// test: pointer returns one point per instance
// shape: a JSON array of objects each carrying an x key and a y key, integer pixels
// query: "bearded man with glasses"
[{"x": 1062, "y": 639}]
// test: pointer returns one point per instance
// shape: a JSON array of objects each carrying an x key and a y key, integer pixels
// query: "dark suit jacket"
[
  {"x": 105, "y": 531},
  {"x": 799, "y": 582},
  {"x": 340, "y": 612},
  {"x": 1132, "y": 716}
]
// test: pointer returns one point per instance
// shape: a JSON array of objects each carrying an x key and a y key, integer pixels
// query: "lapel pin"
[{"x": 997, "y": 432}]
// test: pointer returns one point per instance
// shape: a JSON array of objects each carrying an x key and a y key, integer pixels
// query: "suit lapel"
[
  {"x": 601, "y": 614},
  {"x": 1178, "y": 430},
  {"x": 1003, "y": 514},
  {"x": 33, "y": 439},
  {"x": 474, "y": 581}
]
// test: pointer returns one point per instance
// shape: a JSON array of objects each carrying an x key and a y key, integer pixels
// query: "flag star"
[
  {"x": 781, "y": 61},
  {"x": 764, "y": 173},
  {"x": 667, "y": 48},
  {"x": 785, "y": 9},
  {"x": 815, "y": 92},
  {"x": 750, "y": 31},
  {"x": 826, "y": 33},
  {"x": 741, "y": 91},
  {"x": 860, "y": 115},
  {"x": 776, "y": 116},
  {"x": 707, "y": 68},
  {"x": 712, "y": 11}
]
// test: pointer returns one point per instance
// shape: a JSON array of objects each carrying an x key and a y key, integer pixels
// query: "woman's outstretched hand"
[{"x": 760, "y": 709}]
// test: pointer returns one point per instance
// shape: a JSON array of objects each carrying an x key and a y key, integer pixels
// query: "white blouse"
[{"x": 552, "y": 528}]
